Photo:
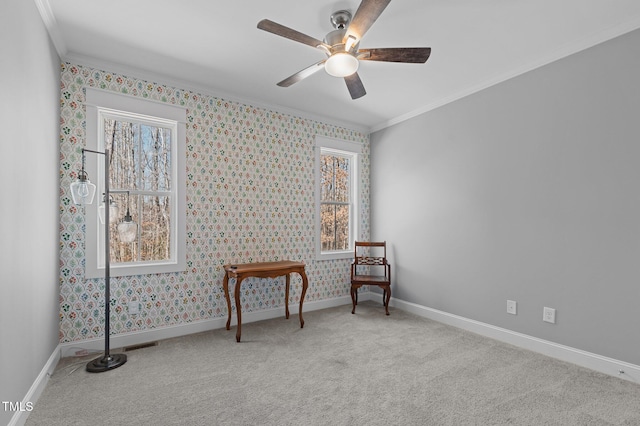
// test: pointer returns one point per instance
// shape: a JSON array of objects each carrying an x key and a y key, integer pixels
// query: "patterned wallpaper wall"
[{"x": 250, "y": 198}]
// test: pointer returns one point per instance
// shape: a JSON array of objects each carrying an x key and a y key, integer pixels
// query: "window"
[
  {"x": 337, "y": 198},
  {"x": 146, "y": 141}
]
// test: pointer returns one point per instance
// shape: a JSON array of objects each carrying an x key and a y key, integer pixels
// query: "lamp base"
[{"x": 106, "y": 363}]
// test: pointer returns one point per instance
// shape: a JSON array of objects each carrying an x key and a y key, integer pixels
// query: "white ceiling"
[{"x": 214, "y": 46}]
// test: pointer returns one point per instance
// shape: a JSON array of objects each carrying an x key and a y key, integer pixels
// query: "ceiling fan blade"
[
  {"x": 301, "y": 75},
  {"x": 365, "y": 16},
  {"x": 355, "y": 86},
  {"x": 291, "y": 34},
  {"x": 413, "y": 55}
]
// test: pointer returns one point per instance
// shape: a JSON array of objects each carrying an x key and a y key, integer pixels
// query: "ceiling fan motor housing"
[{"x": 334, "y": 39}]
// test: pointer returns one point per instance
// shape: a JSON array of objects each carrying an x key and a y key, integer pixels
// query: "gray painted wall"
[
  {"x": 29, "y": 258},
  {"x": 530, "y": 191}
]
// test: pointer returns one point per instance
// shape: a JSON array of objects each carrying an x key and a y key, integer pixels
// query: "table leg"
[
  {"x": 225, "y": 285},
  {"x": 286, "y": 295},
  {"x": 305, "y": 284},
  {"x": 238, "y": 308}
]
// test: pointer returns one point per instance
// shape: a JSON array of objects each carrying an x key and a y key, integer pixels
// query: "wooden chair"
[{"x": 364, "y": 259}]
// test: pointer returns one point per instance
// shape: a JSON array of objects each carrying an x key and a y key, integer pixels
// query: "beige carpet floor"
[{"x": 340, "y": 369}]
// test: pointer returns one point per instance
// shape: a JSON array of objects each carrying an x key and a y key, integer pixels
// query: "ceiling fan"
[{"x": 342, "y": 46}]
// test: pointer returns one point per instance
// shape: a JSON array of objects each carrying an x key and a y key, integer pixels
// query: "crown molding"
[
  {"x": 52, "y": 26},
  {"x": 561, "y": 52}
]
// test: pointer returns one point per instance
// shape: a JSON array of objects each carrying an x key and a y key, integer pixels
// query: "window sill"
[
  {"x": 129, "y": 269},
  {"x": 345, "y": 254}
]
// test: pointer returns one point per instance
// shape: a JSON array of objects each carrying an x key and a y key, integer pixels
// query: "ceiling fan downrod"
[{"x": 340, "y": 20}]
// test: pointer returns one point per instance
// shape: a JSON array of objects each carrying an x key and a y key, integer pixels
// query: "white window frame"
[
  {"x": 353, "y": 150},
  {"x": 101, "y": 103}
]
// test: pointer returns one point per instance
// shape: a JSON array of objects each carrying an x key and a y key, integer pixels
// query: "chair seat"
[{"x": 370, "y": 279}]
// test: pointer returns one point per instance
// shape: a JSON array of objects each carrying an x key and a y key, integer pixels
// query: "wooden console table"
[{"x": 262, "y": 270}]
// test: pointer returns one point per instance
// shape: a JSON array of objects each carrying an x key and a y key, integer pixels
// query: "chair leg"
[
  {"x": 387, "y": 294},
  {"x": 354, "y": 299}
]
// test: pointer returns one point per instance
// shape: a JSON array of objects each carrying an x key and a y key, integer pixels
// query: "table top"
[{"x": 241, "y": 268}]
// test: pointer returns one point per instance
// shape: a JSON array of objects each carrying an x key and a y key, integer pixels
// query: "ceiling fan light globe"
[{"x": 341, "y": 64}]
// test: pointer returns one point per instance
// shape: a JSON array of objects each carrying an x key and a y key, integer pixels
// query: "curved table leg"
[
  {"x": 225, "y": 285},
  {"x": 238, "y": 308},
  {"x": 305, "y": 284},
  {"x": 286, "y": 295}
]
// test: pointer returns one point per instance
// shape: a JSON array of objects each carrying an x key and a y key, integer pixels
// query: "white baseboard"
[
  {"x": 34, "y": 392},
  {"x": 141, "y": 337},
  {"x": 602, "y": 364}
]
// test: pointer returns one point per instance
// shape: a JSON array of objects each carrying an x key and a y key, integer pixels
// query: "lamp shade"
[
  {"x": 82, "y": 191},
  {"x": 341, "y": 64},
  {"x": 114, "y": 212},
  {"x": 128, "y": 230}
]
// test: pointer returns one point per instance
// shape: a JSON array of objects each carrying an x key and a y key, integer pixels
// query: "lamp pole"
[{"x": 107, "y": 361}]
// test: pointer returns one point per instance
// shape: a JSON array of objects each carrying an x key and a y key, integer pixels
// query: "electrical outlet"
[
  {"x": 512, "y": 307},
  {"x": 134, "y": 308},
  {"x": 549, "y": 315}
]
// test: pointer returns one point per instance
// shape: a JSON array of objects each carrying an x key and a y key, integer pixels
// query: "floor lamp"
[{"x": 82, "y": 192}]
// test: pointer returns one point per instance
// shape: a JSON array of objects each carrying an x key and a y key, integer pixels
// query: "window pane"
[
  {"x": 120, "y": 139},
  {"x": 156, "y": 159},
  {"x": 341, "y": 179},
  {"x": 140, "y": 155},
  {"x": 155, "y": 228},
  {"x": 334, "y": 172},
  {"x": 326, "y": 173},
  {"x": 334, "y": 225}
]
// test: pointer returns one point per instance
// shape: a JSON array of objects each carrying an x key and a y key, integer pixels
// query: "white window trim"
[
  {"x": 346, "y": 148},
  {"x": 98, "y": 101}
]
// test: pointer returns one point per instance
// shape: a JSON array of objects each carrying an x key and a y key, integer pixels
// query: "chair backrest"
[{"x": 363, "y": 255}]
